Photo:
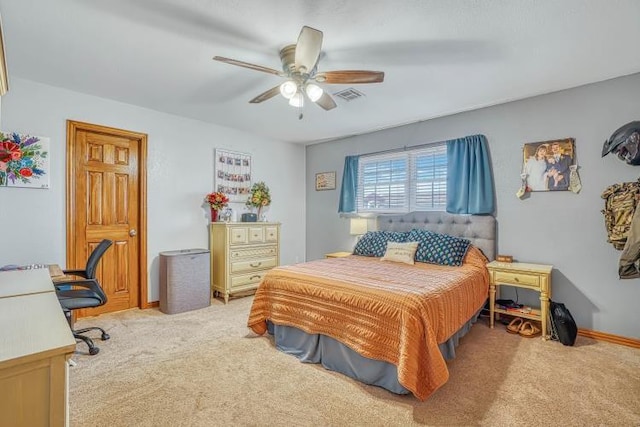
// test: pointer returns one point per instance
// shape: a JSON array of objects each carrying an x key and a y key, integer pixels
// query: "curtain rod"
[{"x": 404, "y": 148}]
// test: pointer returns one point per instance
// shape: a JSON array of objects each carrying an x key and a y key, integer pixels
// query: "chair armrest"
[
  {"x": 81, "y": 273},
  {"x": 91, "y": 284}
]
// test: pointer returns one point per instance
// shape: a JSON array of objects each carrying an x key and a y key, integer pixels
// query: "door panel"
[{"x": 106, "y": 201}]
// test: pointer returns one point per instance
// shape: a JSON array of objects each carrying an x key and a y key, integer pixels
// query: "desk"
[
  {"x": 35, "y": 344},
  {"x": 56, "y": 272},
  {"x": 25, "y": 282}
]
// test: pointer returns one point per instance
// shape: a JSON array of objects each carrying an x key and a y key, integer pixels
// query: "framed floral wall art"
[
  {"x": 232, "y": 174},
  {"x": 24, "y": 161}
]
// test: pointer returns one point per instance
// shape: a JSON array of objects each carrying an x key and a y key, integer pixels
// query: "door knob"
[{"x": 132, "y": 232}]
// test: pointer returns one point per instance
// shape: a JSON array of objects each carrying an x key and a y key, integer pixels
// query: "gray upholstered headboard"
[{"x": 481, "y": 230}]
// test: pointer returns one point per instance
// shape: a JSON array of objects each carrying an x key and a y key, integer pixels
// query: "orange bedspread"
[{"x": 383, "y": 310}]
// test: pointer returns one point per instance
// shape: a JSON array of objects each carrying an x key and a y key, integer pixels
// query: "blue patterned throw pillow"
[
  {"x": 438, "y": 248},
  {"x": 374, "y": 243}
]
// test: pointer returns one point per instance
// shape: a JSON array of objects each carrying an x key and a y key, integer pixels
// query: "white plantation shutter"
[
  {"x": 403, "y": 181},
  {"x": 429, "y": 178},
  {"x": 382, "y": 183}
]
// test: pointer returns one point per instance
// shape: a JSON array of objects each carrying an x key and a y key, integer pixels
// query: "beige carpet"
[{"x": 204, "y": 368}]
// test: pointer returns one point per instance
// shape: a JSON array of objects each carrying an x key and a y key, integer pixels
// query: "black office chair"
[{"x": 75, "y": 294}]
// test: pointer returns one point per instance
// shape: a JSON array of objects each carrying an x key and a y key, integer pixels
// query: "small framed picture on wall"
[{"x": 325, "y": 181}]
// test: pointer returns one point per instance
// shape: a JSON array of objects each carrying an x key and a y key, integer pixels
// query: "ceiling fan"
[{"x": 300, "y": 68}]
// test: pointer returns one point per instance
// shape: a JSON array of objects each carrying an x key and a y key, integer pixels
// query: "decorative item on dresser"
[
  {"x": 217, "y": 201},
  {"x": 241, "y": 254},
  {"x": 259, "y": 198}
]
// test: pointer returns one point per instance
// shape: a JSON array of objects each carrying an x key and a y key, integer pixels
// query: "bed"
[{"x": 387, "y": 324}]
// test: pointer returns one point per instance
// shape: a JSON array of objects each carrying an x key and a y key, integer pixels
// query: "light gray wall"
[
  {"x": 180, "y": 173},
  {"x": 559, "y": 228}
]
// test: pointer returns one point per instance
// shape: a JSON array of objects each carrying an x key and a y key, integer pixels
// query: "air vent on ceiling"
[{"x": 349, "y": 94}]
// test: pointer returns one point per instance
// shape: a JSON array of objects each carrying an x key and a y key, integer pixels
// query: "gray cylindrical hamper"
[{"x": 184, "y": 280}]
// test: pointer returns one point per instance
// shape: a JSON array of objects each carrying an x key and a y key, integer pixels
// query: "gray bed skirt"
[{"x": 335, "y": 356}]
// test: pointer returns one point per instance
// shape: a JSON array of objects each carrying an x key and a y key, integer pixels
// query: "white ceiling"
[{"x": 439, "y": 57}]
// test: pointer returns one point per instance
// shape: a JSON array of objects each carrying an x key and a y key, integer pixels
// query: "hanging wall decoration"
[
  {"x": 24, "y": 161},
  {"x": 625, "y": 143},
  {"x": 325, "y": 181},
  {"x": 549, "y": 166},
  {"x": 232, "y": 174}
]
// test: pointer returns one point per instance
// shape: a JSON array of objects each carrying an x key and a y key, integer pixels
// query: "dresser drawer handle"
[
  {"x": 255, "y": 265},
  {"x": 255, "y": 276}
]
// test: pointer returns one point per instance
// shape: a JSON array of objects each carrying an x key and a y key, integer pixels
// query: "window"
[{"x": 403, "y": 181}]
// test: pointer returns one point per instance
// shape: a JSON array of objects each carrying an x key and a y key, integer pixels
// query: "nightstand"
[
  {"x": 337, "y": 254},
  {"x": 536, "y": 277}
]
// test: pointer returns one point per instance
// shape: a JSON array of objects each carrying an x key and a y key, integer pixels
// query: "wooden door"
[{"x": 106, "y": 199}]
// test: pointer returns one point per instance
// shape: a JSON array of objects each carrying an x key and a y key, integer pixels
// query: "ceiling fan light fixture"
[
  {"x": 297, "y": 100},
  {"x": 314, "y": 92},
  {"x": 288, "y": 89}
]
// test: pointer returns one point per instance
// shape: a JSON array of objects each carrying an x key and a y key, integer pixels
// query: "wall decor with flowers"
[
  {"x": 232, "y": 175},
  {"x": 24, "y": 160}
]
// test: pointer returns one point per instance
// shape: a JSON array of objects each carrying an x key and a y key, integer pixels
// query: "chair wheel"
[
  {"x": 105, "y": 336},
  {"x": 93, "y": 351}
]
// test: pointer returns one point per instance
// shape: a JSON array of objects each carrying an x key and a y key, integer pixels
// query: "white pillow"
[{"x": 400, "y": 252}]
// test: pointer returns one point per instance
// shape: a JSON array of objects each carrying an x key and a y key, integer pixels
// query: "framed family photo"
[
  {"x": 547, "y": 164},
  {"x": 325, "y": 181}
]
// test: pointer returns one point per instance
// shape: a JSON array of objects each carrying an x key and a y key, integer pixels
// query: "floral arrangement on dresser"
[
  {"x": 259, "y": 196},
  {"x": 217, "y": 200}
]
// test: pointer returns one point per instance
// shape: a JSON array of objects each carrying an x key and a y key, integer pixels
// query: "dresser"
[{"x": 241, "y": 254}]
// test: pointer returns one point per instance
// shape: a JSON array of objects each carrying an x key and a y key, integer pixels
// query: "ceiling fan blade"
[
  {"x": 266, "y": 95},
  {"x": 308, "y": 49},
  {"x": 350, "y": 76},
  {"x": 326, "y": 102},
  {"x": 248, "y": 65}
]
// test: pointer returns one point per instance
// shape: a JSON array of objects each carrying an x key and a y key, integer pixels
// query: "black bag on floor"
[{"x": 563, "y": 327}]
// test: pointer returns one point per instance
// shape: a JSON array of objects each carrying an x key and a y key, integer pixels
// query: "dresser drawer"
[
  {"x": 253, "y": 264},
  {"x": 239, "y": 236},
  {"x": 523, "y": 279},
  {"x": 271, "y": 234},
  {"x": 256, "y": 234},
  {"x": 241, "y": 280},
  {"x": 260, "y": 252}
]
